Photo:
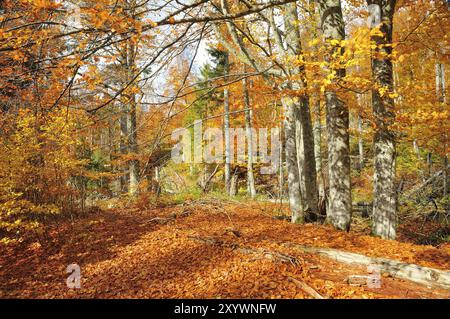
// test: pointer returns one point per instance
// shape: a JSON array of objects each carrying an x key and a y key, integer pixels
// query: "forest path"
[{"x": 203, "y": 249}]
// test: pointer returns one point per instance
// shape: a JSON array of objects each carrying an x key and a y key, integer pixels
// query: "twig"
[{"x": 267, "y": 254}]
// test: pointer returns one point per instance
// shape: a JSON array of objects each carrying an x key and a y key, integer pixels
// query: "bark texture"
[
  {"x": 385, "y": 194},
  {"x": 441, "y": 96},
  {"x": 249, "y": 136},
  {"x": 226, "y": 125},
  {"x": 339, "y": 211},
  {"x": 293, "y": 174},
  {"x": 132, "y": 137},
  {"x": 300, "y": 157},
  {"x": 360, "y": 143},
  {"x": 318, "y": 148},
  {"x": 123, "y": 147}
]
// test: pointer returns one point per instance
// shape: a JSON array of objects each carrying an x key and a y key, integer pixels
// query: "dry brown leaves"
[{"x": 132, "y": 254}]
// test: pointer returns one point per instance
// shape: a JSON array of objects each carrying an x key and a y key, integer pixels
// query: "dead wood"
[
  {"x": 162, "y": 220},
  {"x": 356, "y": 280},
  {"x": 303, "y": 286},
  {"x": 172, "y": 217},
  {"x": 204, "y": 185},
  {"x": 263, "y": 253},
  {"x": 423, "y": 275}
]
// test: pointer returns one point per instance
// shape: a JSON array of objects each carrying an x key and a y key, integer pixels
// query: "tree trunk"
[
  {"x": 306, "y": 159},
  {"x": 385, "y": 195},
  {"x": 440, "y": 82},
  {"x": 441, "y": 94},
  {"x": 317, "y": 115},
  {"x": 299, "y": 133},
  {"x": 445, "y": 171},
  {"x": 293, "y": 178},
  {"x": 132, "y": 141},
  {"x": 417, "y": 150},
  {"x": 340, "y": 201},
  {"x": 132, "y": 125},
  {"x": 226, "y": 124},
  {"x": 157, "y": 181},
  {"x": 318, "y": 148},
  {"x": 280, "y": 166},
  {"x": 234, "y": 183},
  {"x": 360, "y": 143},
  {"x": 249, "y": 133},
  {"x": 124, "y": 147}
]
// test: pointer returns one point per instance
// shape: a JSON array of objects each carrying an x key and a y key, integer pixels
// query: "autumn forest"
[{"x": 216, "y": 149}]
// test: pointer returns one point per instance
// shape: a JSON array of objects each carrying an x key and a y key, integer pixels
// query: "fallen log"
[
  {"x": 303, "y": 286},
  {"x": 422, "y": 275}
]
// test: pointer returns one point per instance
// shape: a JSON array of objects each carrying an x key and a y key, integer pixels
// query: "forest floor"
[{"x": 202, "y": 249}]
